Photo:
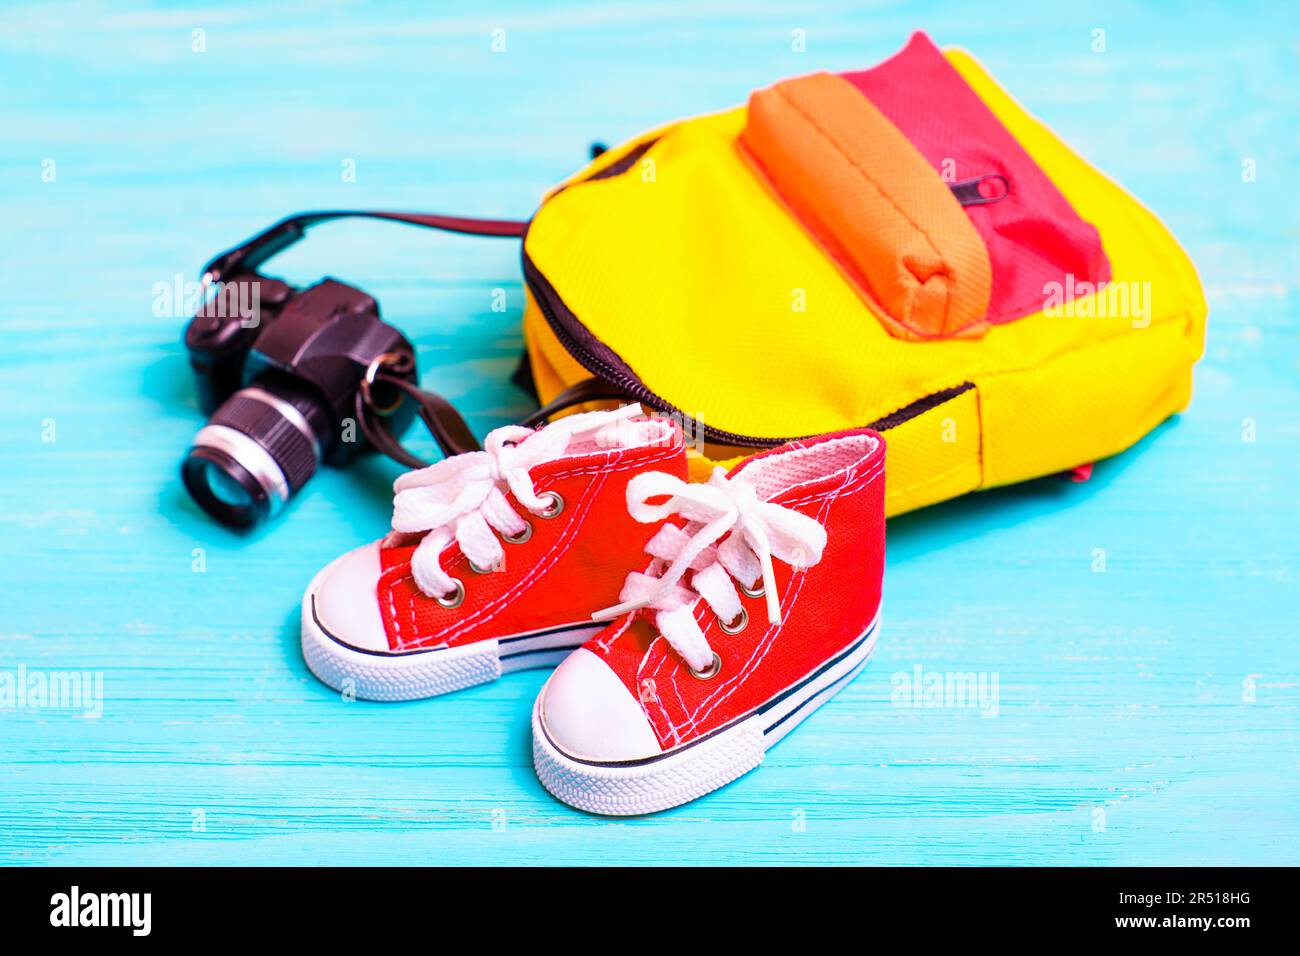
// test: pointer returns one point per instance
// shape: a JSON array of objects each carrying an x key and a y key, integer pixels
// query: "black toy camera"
[
  {"x": 280, "y": 372},
  {"x": 293, "y": 377}
]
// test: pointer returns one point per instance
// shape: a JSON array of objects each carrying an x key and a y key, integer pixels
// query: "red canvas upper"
[
  {"x": 824, "y": 608},
  {"x": 572, "y": 565}
]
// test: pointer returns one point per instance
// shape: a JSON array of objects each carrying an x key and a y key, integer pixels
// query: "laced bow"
[
  {"x": 463, "y": 498},
  {"x": 730, "y": 534}
]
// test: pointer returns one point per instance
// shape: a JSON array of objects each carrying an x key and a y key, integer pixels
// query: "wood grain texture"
[{"x": 1147, "y": 714}]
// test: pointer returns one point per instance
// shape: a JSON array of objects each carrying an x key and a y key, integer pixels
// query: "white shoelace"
[
  {"x": 463, "y": 498},
  {"x": 756, "y": 531}
]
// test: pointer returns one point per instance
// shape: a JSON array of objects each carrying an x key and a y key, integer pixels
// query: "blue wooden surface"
[{"x": 1147, "y": 714}]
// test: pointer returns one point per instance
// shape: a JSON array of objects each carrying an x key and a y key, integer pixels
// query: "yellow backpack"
[{"x": 903, "y": 247}]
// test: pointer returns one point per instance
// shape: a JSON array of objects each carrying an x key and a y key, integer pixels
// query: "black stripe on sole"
[
  {"x": 541, "y": 650},
  {"x": 641, "y": 761},
  {"x": 394, "y": 655},
  {"x": 834, "y": 685}
]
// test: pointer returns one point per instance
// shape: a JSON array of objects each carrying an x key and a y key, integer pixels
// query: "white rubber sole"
[
  {"x": 414, "y": 675},
  {"x": 626, "y": 788}
]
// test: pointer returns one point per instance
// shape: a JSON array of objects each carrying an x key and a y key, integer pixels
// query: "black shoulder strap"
[
  {"x": 579, "y": 393},
  {"x": 250, "y": 254},
  {"x": 439, "y": 416}
]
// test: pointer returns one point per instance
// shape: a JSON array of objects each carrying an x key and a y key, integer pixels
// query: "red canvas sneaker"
[
  {"x": 497, "y": 560},
  {"x": 721, "y": 650}
]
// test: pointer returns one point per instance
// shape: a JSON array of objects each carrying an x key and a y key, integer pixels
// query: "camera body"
[{"x": 279, "y": 371}]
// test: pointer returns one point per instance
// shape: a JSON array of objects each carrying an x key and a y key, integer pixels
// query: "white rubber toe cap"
[
  {"x": 589, "y": 713},
  {"x": 346, "y": 604}
]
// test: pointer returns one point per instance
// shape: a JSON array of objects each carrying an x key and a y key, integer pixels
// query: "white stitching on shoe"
[
  {"x": 731, "y": 534},
  {"x": 676, "y": 727},
  {"x": 610, "y": 465}
]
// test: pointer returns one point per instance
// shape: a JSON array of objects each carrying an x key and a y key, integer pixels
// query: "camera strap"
[
  {"x": 247, "y": 256},
  {"x": 444, "y": 422},
  {"x": 439, "y": 415}
]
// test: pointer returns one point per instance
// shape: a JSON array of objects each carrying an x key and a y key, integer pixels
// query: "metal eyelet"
[
  {"x": 386, "y": 360},
  {"x": 736, "y": 626},
  {"x": 709, "y": 672},
  {"x": 477, "y": 570},
  {"x": 555, "y": 507},
  {"x": 521, "y": 537},
  {"x": 753, "y": 592},
  {"x": 455, "y": 598}
]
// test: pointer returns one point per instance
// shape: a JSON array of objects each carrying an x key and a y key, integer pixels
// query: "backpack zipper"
[{"x": 563, "y": 324}]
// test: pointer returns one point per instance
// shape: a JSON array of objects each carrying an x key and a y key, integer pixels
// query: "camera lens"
[
  {"x": 225, "y": 489},
  {"x": 260, "y": 446}
]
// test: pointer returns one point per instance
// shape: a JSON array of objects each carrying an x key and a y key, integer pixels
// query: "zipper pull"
[{"x": 981, "y": 189}]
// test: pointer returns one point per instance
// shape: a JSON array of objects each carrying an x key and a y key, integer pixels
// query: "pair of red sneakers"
[{"x": 759, "y": 598}]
